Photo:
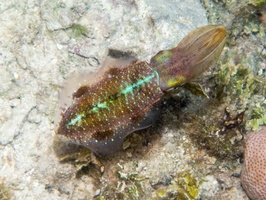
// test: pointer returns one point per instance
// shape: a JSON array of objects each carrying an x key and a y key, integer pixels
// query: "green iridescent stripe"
[{"x": 103, "y": 104}]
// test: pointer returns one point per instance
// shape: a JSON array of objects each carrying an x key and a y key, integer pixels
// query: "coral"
[{"x": 253, "y": 176}]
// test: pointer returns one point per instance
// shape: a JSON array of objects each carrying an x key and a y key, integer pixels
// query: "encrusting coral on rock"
[{"x": 253, "y": 176}]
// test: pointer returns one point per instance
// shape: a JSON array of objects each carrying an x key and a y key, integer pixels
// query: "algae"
[
  {"x": 183, "y": 187},
  {"x": 77, "y": 30},
  {"x": 237, "y": 95},
  {"x": 258, "y": 3},
  {"x": 129, "y": 186}
]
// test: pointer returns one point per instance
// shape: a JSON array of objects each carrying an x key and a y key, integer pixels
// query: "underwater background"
[{"x": 195, "y": 150}]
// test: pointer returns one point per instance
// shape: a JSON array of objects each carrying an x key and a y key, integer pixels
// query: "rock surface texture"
[
  {"x": 253, "y": 176},
  {"x": 41, "y": 43},
  {"x": 36, "y": 44}
]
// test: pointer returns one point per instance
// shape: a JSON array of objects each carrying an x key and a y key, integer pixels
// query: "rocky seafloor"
[{"x": 194, "y": 151}]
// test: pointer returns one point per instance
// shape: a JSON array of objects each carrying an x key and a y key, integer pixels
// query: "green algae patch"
[
  {"x": 183, "y": 187},
  {"x": 77, "y": 30},
  {"x": 258, "y": 3},
  {"x": 236, "y": 106},
  {"x": 196, "y": 89},
  {"x": 245, "y": 91},
  {"x": 256, "y": 122}
]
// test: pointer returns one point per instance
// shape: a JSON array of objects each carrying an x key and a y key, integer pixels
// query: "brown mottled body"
[{"x": 121, "y": 102}]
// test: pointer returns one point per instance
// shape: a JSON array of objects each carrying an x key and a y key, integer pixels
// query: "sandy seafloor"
[{"x": 42, "y": 42}]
